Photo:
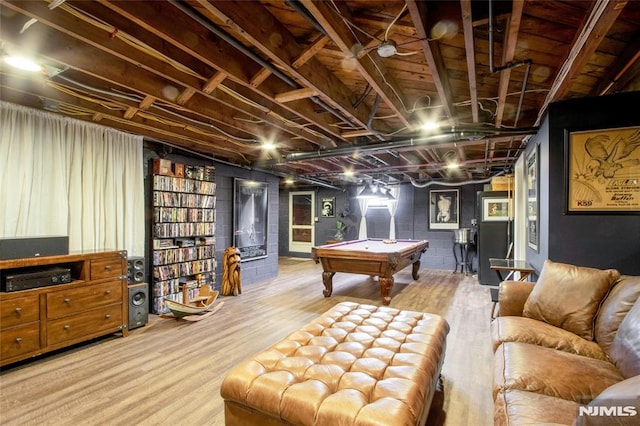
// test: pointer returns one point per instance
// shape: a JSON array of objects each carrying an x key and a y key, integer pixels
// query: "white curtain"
[
  {"x": 61, "y": 176},
  {"x": 364, "y": 205},
  {"x": 392, "y": 206}
]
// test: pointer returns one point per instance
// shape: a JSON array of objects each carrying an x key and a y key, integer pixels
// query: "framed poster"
[
  {"x": 603, "y": 171},
  {"x": 250, "y": 218},
  {"x": 328, "y": 206},
  {"x": 532, "y": 198},
  {"x": 444, "y": 209},
  {"x": 495, "y": 209}
]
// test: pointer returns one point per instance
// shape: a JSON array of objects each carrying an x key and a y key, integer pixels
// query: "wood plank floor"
[{"x": 169, "y": 372}]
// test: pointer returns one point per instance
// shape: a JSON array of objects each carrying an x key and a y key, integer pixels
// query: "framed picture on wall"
[
  {"x": 495, "y": 209},
  {"x": 444, "y": 209},
  {"x": 532, "y": 198},
  {"x": 603, "y": 171},
  {"x": 328, "y": 207},
  {"x": 250, "y": 213}
]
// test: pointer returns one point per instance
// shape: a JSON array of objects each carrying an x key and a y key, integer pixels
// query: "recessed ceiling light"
[
  {"x": 430, "y": 125},
  {"x": 268, "y": 146},
  {"x": 23, "y": 63}
]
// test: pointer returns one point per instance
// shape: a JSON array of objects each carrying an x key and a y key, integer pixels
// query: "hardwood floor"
[{"x": 169, "y": 372}]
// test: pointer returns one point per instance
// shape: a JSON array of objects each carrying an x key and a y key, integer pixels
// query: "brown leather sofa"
[{"x": 571, "y": 340}]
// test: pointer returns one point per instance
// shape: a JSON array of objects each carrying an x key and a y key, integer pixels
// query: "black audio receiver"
[{"x": 21, "y": 279}]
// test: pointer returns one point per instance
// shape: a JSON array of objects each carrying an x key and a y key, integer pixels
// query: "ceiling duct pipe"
[
  {"x": 187, "y": 10},
  {"x": 451, "y": 136},
  {"x": 374, "y": 109},
  {"x": 346, "y": 151}
]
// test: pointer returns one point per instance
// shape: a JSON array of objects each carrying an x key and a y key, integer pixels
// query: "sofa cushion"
[
  {"x": 527, "y": 367},
  {"x": 568, "y": 296},
  {"x": 614, "y": 308},
  {"x": 625, "y": 350},
  {"x": 516, "y": 407},
  {"x": 527, "y": 330},
  {"x": 623, "y": 394}
]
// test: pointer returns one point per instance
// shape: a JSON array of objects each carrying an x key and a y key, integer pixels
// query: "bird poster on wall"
[{"x": 603, "y": 171}]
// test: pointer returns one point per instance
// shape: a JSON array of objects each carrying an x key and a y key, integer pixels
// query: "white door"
[{"x": 301, "y": 221}]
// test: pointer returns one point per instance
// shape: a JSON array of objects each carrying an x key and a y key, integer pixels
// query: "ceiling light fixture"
[
  {"x": 23, "y": 63},
  {"x": 368, "y": 192},
  {"x": 387, "y": 48},
  {"x": 387, "y": 194}
]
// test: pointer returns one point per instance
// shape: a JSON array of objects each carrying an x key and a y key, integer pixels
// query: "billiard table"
[{"x": 374, "y": 257}]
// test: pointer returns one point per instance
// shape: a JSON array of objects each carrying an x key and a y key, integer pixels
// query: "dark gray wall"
[
  {"x": 412, "y": 221},
  {"x": 596, "y": 240},
  {"x": 252, "y": 271}
]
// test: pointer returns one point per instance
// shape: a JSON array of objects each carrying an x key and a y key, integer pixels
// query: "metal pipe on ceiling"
[
  {"x": 452, "y": 136},
  {"x": 295, "y": 5}
]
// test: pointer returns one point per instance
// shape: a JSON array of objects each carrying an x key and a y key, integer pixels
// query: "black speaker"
[
  {"x": 138, "y": 305},
  {"x": 21, "y": 247},
  {"x": 135, "y": 269}
]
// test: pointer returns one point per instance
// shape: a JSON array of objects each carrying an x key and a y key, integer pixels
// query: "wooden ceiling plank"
[
  {"x": 467, "y": 25},
  {"x": 136, "y": 125},
  {"x": 185, "y": 95},
  {"x": 281, "y": 47},
  {"x": 369, "y": 66},
  {"x": 260, "y": 77},
  {"x": 623, "y": 66},
  {"x": 294, "y": 95},
  {"x": 170, "y": 26},
  {"x": 508, "y": 53},
  {"x": 595, "y": 26},
  {"x": 214, "y": 82},
  {"x": 101, "y": 65},
  {"x": 417, "y": 10},
  {"x": 311, "y": 51},
  {"x": 146, "y": 102},
  {"x": 130, "y": 112}
]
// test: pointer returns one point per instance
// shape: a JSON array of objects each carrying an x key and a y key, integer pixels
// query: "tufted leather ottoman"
[{"x": 354, "y": 365}]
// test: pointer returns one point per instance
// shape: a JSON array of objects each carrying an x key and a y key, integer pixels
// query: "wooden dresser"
[{"x": 43, "y": 319}]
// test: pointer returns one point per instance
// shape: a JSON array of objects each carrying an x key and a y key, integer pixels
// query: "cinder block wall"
[{"x": 252, "y": 271}]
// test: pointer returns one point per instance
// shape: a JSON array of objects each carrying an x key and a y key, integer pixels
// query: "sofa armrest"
[{"x": 512, "y": 297}]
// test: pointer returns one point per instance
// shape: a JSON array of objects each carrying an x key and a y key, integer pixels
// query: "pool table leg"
[
  {"x": 327, "y": 280},
  {"x": 416, "y": 267},
  {"x": 385, "y": 289}
]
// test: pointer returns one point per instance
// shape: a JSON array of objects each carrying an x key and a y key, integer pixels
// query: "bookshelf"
[{"x": 183, "y": 226}]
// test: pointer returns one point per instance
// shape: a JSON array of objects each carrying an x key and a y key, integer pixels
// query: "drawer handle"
[
  {"x": 18, "y": 310},
  {"x": 67, "y": 301},
  {"x": 108, "y": 316},
  {"x": 67, "y": 327},
  {"x": 108, "y": 292},
  {"x": 18, "y": 340},
  {"x": 108, "y": 267}
]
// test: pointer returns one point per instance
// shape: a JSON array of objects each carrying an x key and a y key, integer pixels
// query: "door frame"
[{"x": 296, "y": 246}]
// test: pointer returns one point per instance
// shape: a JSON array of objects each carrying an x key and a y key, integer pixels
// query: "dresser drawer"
[
  {"x": 107, "y": 267},
  {"x": 73, "y": 301},
  {"x": 19, "y": 311},
  {"x": 86, "y": 323},
  {"x": 19, "y": 340}
]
